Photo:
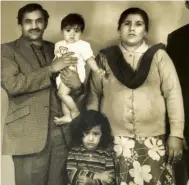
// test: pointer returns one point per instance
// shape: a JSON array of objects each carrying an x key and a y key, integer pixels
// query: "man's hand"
[
  {"x": 62, "y": 62},
  {"x": 71, "y": 79},
  {"x": 174, "y": 148}
]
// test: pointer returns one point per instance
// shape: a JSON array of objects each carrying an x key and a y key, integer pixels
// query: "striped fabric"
[{"x": 82, "y": 162}]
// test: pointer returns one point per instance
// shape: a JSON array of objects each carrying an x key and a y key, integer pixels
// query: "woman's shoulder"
[{"x": 158, "y": 50}]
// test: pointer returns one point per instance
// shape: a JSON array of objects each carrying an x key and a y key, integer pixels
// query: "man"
[
  {"x": 178, "y": 49},
  {"x": 38, "y": 146}
]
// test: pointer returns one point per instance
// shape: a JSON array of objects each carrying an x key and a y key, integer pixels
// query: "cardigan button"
[{"x": 131, "y": 111}]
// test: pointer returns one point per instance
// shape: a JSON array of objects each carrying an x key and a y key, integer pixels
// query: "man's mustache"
[{"x": 36, "y": 30}]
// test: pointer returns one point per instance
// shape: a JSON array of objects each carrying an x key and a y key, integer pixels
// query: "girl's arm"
[
  {"x": 79, "y": 176},
  {"x": 108, "y": 176}
]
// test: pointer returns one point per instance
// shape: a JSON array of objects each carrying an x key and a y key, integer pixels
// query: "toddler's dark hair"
[
  {"x": 90, "y": 119},
  {"x": 72, "y": 20}
]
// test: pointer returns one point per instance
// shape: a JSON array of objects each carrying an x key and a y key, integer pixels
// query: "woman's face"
[
  {"x": 91, "y": 139},
  {"x": 132, "y": 30}
]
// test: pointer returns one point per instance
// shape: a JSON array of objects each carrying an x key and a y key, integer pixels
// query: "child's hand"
[
  {"x": 100, "y": 72},
  {"x": 85, "y": 180},
  {"x": 104, "y": 176}
]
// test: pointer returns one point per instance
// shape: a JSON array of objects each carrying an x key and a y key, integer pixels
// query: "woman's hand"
[
  {"x": 70, "y": 78},
  {"x": 174, "y": 148},
  {"x": 62, "y": 62}
]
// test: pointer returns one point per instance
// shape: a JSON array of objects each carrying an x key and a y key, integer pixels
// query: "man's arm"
[{"x": 17, "y": 82}]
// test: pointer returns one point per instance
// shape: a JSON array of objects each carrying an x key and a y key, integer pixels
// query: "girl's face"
[
  {"x": 91, "y": 139},
  {"x": 71, "y": 34},
  {"x": 132, "y": 30}
]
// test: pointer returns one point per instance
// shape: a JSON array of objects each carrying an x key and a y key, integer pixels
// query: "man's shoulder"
[
  {"x": 181, "y": 31},
  {"x": 10, "y": 44},
  {"x": 9, "y": 48}
]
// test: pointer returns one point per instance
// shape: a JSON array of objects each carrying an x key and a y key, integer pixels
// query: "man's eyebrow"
[{"x": 27, "y": 19}]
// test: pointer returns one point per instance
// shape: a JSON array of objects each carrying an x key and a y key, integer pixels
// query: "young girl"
[
  {"x": 72, "y": 27},
  {"x": 89, "y": 161},
  {"x": 140, "y": 87}
]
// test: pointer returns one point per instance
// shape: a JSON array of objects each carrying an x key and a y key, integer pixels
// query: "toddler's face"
[
  {"x": 91, "y": 139},
  {"x": 72, "y": 34}
]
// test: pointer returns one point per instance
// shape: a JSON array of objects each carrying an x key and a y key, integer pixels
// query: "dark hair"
[
  {"x": 30, "y": 8},
  {"x": 72, "y": 20},
  {"x": 90, "y": 119},
  {"x": 129, "y": 11},
  {"x": 187, "y": 4}
]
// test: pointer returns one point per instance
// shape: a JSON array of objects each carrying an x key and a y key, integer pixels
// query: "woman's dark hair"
[
  {"x": 129, "y": 11},
  {"x": 90, "y": 119},
  {"x": 30, "y": 8},
  {"x": 72, "y": 20}
]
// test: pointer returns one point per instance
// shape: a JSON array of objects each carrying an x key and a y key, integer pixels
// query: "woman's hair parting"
[
  {"x": 90, "y": 119},
  {"x": 73, "y": 19},
  {"x": 130, "y": 11}
]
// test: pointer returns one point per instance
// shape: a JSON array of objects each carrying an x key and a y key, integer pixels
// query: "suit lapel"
[{"x": 24, "y": 48}]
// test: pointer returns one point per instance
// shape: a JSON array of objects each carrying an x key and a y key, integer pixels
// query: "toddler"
[{"x": 72, "y": 27}]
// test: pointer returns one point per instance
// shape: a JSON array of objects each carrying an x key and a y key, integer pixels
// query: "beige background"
[
  {"x": 101, "y": 19},
  {"x": 101, "y": 24}
]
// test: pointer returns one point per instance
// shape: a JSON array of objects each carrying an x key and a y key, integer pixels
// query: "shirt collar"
[{"x": 141, "y": 49}]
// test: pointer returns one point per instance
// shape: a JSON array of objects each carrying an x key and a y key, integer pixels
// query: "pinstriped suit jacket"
[{"x": 29, "y": 88}]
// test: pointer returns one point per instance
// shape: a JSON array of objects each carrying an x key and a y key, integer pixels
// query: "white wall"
[{"x": 101, "y": 19}]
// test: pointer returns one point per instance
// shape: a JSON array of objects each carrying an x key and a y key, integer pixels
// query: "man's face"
[{"x": 33, "y": 25}]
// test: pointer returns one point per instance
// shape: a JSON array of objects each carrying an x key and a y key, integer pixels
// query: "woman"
[{"x": 139, "y": 87}]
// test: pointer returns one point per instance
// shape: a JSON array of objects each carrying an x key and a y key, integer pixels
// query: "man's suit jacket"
[
  {"x": 29, "y": 88},
  {"x": 178, "y": 49}
]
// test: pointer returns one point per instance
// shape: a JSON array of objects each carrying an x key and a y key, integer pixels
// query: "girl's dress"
[{"x": 82, "y": 162}]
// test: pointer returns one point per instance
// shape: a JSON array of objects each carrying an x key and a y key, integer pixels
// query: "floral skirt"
[{"x": 142, "y": 161}]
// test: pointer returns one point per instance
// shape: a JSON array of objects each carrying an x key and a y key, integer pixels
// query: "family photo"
[{"x": 94, "y": 92}]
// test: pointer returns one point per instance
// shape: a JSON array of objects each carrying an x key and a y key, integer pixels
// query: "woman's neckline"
[{"x": 130, "y": 48}]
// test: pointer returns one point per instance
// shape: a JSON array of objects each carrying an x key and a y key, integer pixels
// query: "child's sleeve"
[{"x": 86, "y": 51}]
